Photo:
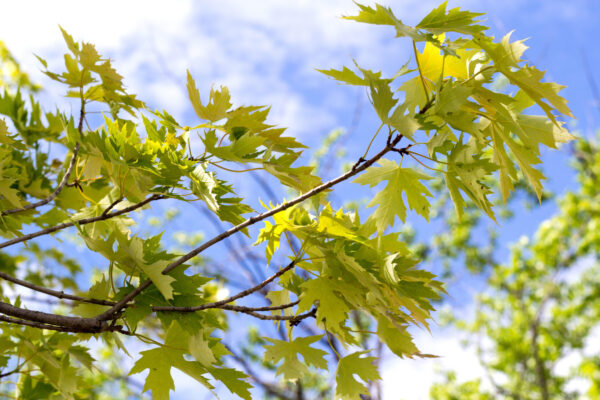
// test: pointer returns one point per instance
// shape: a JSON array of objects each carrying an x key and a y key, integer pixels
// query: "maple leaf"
[
  {"x": 132, "y": 252},
  {"x": 234, "y": 380},
  {"x": 345, "y": 75},
  {"x": 395, "y": 336},
  {"x": 347, "y": 386},
  {"x": 99, "y": 290},
  {"x": 389, "y": 199},
  {"x": 466, "y": 171},
  {"x": 506, "y": 56},
  {"x": 405, "y": 124},
  {"x": 382, "y": 98},
  {"x": 292, "y": 368},
  {"x": 159, "y": 379},
  {"x": 203, "y": 185},
  {"x": 332, "y": 309},
  {"x": 438, "y": 21},
  {"x": 7, "y": 139},
  {"x": 384, "y": 16},
  {"x": 200, "y": 349},
  {"x": 218, "y": 104}
]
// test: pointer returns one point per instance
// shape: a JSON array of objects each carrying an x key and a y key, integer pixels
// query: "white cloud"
[
  {"x": 411, "y": 379},
  {"x": 265, "y": 51}
]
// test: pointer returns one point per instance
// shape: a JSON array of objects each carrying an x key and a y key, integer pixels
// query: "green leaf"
[
  {"x": 405, "y": 124},
  {"x": 7, "y": 139},
  {"x": 389, "y": 199},
  {"x": 345, "y": 75},
  {"x": 99, "y": 290},
  {"x": 9, "y": 193},
  {"x": 467, "y": 170},
  {"x": 347, "y": 386},
  {"x": 382, "y": 98},
  {"x": 384, "y": 16},
  {"x": 234, "y": 380},
  {"x": 158, "y": 380},
  {"x": 395, "y": 336},
  {"x": 218, "y": 104},
  {"x": 292, "y": 368},
  {"x": 203, "y": 185},
  {"x": 200, "y": 349},
  {"x": 506, "y": 57},
  {"x": 438, "y": 21},
  {"x": 133, "y": 251},
  {"x": 332, "y": 309}
]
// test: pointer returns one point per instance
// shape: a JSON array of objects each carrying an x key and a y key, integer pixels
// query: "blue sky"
[{"x": 266, "y": 52}]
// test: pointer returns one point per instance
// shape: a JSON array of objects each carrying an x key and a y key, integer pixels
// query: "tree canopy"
[{"x": 441, "y": 113}]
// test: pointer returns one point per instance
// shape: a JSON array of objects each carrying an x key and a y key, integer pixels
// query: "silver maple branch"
[{"x": 360, "y": 166}]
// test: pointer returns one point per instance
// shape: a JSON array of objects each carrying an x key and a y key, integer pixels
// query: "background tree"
[
  {"x": 540, "y": 310},
  {"x": 341, "y": 266}
]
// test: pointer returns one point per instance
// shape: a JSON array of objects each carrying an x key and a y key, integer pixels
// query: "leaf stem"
[
  {"x": 426, "y": 166},
  {"x": 233, "y": 170},
  {"x": 420, "y": 72},
  {"x": 372, "y": 139}
]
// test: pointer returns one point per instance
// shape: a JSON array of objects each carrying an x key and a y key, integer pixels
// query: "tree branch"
[
  {"x": 55, "y": 293},
  {"x": 541, "y": 370},
  {"x": 294, "y": 319},
  {"x": 51, "y": 321},
  {"x": 92, "y": 325},
  {"x": 84, "y": 221},
  {"x": 53, "y": 195},
  {"x": 109, "y": 314},
  {"x": 229, "y": 307}
]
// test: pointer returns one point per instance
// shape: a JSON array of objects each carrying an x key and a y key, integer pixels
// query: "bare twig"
[
  {"x": 219, "y": 227},
  {"x": 83, "y": 221},
  {"x": 12, "y": 371},
  {"x": 243, "y": 309},
  {"x": 231, "y": 299},
  {"x": 111, "y": 206},
  {"x": 294, "y": 319},
  {"x": 53, "y": 195},
  {"x": 109, "y": 314}
]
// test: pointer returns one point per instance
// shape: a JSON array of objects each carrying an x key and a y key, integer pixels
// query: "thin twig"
[
  {"x": 53, "y": 195},
  {"x": 109, "y": 314},
  {"x": 372, "y": 140},
  {"x": 420, "y": 72},
  {"x": 112, "y": 205},
  {"x": 229, "y": 307},
  {"x": 294, "y": 319},
  {"x": 231, "y": 299},
  {"x": 65, "y": 178},
  {"x": 83, "y": 221},
  {"x": 426, "y": 166},
  {"x": 233, "y": 170},
  {"x": 55, "y": 293}
]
